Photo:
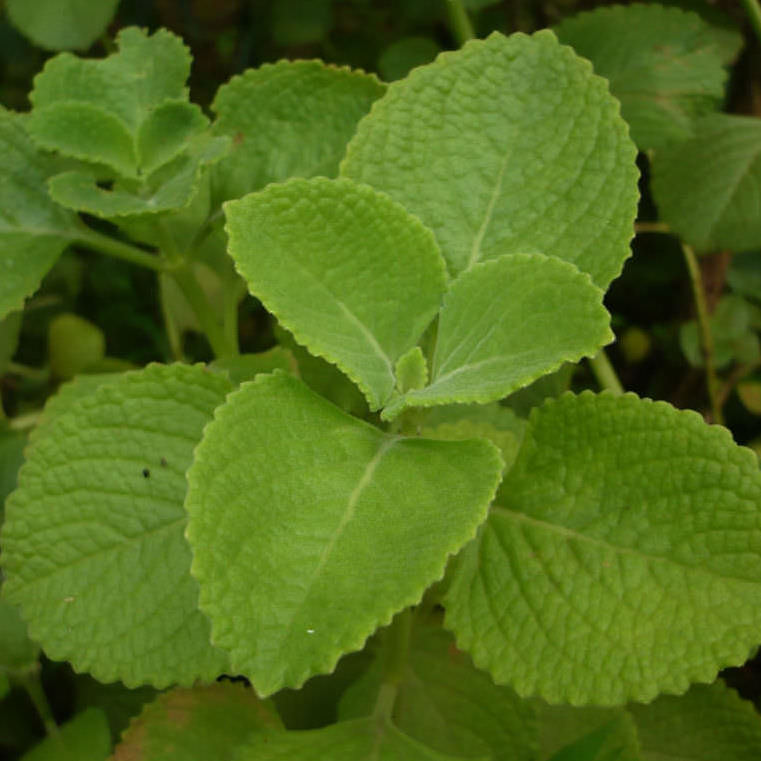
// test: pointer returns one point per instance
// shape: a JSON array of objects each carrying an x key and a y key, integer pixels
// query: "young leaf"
[
  {"x": 505, "y": 323},
  {"x": 349, "y": 272},
  {"x": 333, "y": 526},
  {"x": 86, "y": 737},
  {"x": 288, "y": 119},
  {"x": 665, "y": 65},
  {"x": 706, "y": 187},
  {"x": 508, "y": 145},
  {"x": 93, "y": 546},
  {"x": 33, "y": 230},
  {"x": 626, "y": 526},
  {"x": 205, "y": 722}
]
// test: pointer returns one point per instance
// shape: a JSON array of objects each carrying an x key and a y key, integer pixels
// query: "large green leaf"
[
  {"x": 86, "y": 737},
  {"x": 93, "y": 546},
  {"x": 61, "y": 24},
  {"x": 506, "y": 322},
  {"x": 624, "y": 559},
  {"x": 288, "y": 119},
  {"x": 708, "y": 187},
  {"x": 33, "y": 230},
  {"x": 202, "y": 723},
  {"x": 665, "y": 65},
  {"x": 509, "y": 145},
  {"x": 349, "y": 272},
  {"x": 311, "y": 528}
]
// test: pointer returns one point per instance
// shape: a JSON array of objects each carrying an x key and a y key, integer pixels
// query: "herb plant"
[{"x": 428, "y": 248}]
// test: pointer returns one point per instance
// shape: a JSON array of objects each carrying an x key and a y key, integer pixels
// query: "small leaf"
[
  {"x": 505, "y": 323},
  {"x": 74, "y": 344},
  {"x": 203, "y": 723},
  {"x": 93, "y": 546},
  {"x": 411, "y": 370},
  {"x": 706, "y": 188},
  {"x": 246, "y": 366},
  {"x": 626, "y": 526},
  {"x": 665, "y": 65},
  {"x": 288, "y": 119},
  {"x": 350, "y": 273},
  {"x": 86, "y": 737},
  {"x": 333, "y": 524},
  {"x": 508, "y": 145}
]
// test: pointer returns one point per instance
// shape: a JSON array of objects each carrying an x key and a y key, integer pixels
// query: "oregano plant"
[{"x": 362, "y": 505}]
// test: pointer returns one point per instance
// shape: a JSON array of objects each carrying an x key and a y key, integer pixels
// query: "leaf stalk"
[{"x": 459, "y": 22}]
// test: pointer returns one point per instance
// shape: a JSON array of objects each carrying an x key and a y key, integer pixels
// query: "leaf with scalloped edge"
[
  {"x": 93, "y": 546},
  {"x": 623, "y": 560},
  {"x": 350, "y": 273},
  {"x": 506, "y": 322},
  {"x": 288, "y": 119},
  {"x": 311, "y": 528},
  {"x": 508, "y": 145},
  {"x": 206, "y": 722},
  {"x": 665, "y": 65},
  {"x": 34, "y": 231}
]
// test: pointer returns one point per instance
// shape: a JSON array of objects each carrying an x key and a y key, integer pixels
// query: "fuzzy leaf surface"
[
  {"x": 206, "y": 722},
  {"x": 708, "y": 188},
  {"x": 288, "y": 119},
  {"x": 33, "y": 230},
  {"x": 350, "y": 273},
  {"x": 625, "y": 526},
  {"x": 509, "y": 145},
  {"x": 506, "y": 322},
  {"x": 334, "y": 526},
  {"x": 93, "y": 545},
  {"x": 665, "y": 65}
]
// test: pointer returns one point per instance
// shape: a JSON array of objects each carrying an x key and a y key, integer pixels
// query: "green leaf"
[
  {"x": 288, "y": 119},
  {"x": 505, "y": 323},
  {"x": 708, "y": 722},
  {"x": 204, "y": 723},
  {"x": 17, "y": 651},
  {"x": 626, "y": 526},
  {"x": 444, "y": 702},
  {"x": 246, "y": 366},
  {"x": 362, "y": 740},
  {"x": 85, "y": 738},
  {"x": 108, "y": 111},
  {"x": 399, "y": 57},
  {"x": 665, "y": 65},
  {"x": 33, "y": 230},
  {"x": 333, "y": 524},
  {"x": 74, "y": 344},
  {"x": 10, "y": 327},
  {"x": 706, "y": 188},
  {"x": 350, "y": 273},
  {"x": 591, "y": 747},
  {"x": 509, "y": 145},
  {"x": 12, "y": 445},
  {"x": 93, "y": 546}
]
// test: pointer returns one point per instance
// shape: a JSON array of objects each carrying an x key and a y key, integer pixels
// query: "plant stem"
[
  {"x": 459, "y": 23},
  {"x": 396, "y": 646},
  {"x": 753, "y": 10},
  {"x": 652, "y": 227},
  {"x": 605, "y": 373},
  {"x": 31, "y": 683},
  {"x": 105, "y": 244},
  {"x": 30, "y": 373},
  {"x": 704, "y": 332}
]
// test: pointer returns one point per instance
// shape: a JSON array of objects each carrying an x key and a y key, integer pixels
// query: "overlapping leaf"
[
  {"x": 349, "y": 272},
  {"x": 289, "y": 119},
  {"x": 624, "y": 560},
  {"x": 311, "y": 528},
  {"x": 93, "y": 546},
  {"x": 509, "y": 145},
  {"x": 665, "y": 65}
]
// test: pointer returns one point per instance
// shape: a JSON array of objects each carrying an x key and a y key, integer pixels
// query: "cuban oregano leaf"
[
  {"x": 508, "y": 145},
  {"x": 61, "y": 24},
  {"x": 208, "y": 722},
  {"x": 348, "y": 271},
  {"x": 288, "y": 119},
  {"x": 665, "y": 65},
  {"x": 33, "y": 230},
  {"x": 708, "y": 187},
  {"x": 333, "y": 526},
  {"x": 86, "y": 737},
  {"x": 93, "y": 546},
  {"x": 505, "y": 323},
  {"x": 623, "y": 560}
]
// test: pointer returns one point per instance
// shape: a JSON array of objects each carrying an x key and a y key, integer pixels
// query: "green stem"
[
  {"x": 31, "y": 683},
  {"x": 753, "y": 10},
  {"x": 105, "y": 244},
  {"x": 459, "y": 22},
  {"x": 605, "y": 373},
  {"x": 652, "y": 227},
  {"x": 396, "y": 646},
  {"x": 704, "y": 332},
  {"x": 30, "y": 373}
]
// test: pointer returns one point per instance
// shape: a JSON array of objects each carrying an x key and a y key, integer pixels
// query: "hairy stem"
[
  {"x": 459, "y": 22},
  {"x": 753, "y": 10},
  {"x": 605, "y": 373},
  {"x": 105, "y": 244}
]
